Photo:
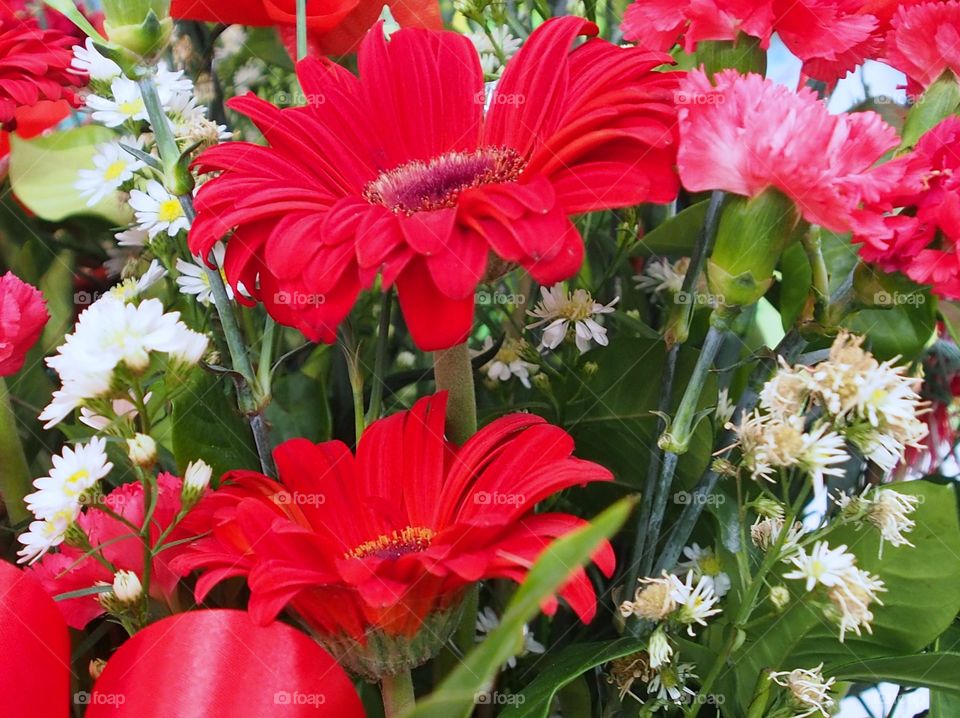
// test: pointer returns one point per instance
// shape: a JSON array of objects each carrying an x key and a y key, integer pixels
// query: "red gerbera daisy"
[
  {"x": 744, "y": 134},
  {"x": 34, "y": 66},
  {"x": 401, "y": 171},
  {"x": 923, "y": 239},
  {"x": 367, "y": 548},
  {"x": 334, "y": 27}
]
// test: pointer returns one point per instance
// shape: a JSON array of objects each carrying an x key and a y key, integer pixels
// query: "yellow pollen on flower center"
[
  {"x": 576, "y": 311},
  {"x": 169, "y": 210},
  {"x": 76, "y": 477},
  {"x": 131, "y": 107},
  {"x": 412, "y": 539},
  {"x": 115, "y": 170}
]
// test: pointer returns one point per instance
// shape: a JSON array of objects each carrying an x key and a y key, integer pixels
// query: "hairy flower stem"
[
  {"x": 250, "y": 404},
  {"x": 397, "y": 692},
  {"x": 454, "y": 374},
  {"x": 789, "y": 348},
  {"x": 380, "y": 360},
  {"x": 14, "y": 472}
]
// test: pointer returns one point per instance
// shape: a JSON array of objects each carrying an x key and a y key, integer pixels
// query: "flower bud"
[
  {"x": 142, "y": 450},
  {"x": 96, "y": 667},
  {"x": 779, "y": 597},
  {"x": 126, "y": 592},
  {"x": 750, "y": 239},
  {"x": 141, "y": 26},
  {"x": 196, "y": 479}
]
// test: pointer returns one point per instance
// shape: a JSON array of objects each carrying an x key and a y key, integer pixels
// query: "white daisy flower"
[
  {"x": 122, "y": 409},
  {"x": 132, "y": 237},
  {"x": 852, "y": 598},
  {"x": 704, "y": 562},
  {"x": 194, "y": 280},
  {"x": 158, "y": 211},
  {"x": 508, "y": 362},
  {"x": 171, "y": 84},
  {"x": 725, "y": 407},
  {"x": 490, "y": 59},
  {"x": 45, "y": 534},
  {"x": 670, "y": 683},
  {"x": 74, "y": 472},
  {"x": 88, "y": 60},
  {"x": 888, "y": 510},
  {"x": 125, "y": 104},
  {"x": 488, "y": 621},
  {"x": 659, "y": 649},
  {"x": 822, "y": 565},
  {"x": 247, "y": 76},
  {"x": 558, "y": 309},
  {"x": 823, "y": 454},
  {"x": 809, "y": 692},
  {"x": 695, "y": 602},
  {"x": 661, "y": 275},
  {"x": 113, "y": 167}
]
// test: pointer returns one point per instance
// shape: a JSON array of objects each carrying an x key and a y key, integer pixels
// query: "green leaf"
[
  {"x": 456, "y": 696},
  {"x": 564, "y": 667},
  {"x": 677, "y": 235},
  {"x": 70, "y": 9},
  {"x": 208, "y": 426},
  {"x": 43, "y": 172},
  {"x": 921, "y": 601},
  {"x": 937, "y": 670},
  {"x": 944, "y": 705},
  {"x": 614, "y": 423}
]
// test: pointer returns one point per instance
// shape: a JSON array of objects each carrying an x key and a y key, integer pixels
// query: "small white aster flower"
[
  {"x": 125, "y": 104},
  {"x": 171, "y": 84},
  {"x": 88, "y": 60},
  {"x": 113, "y": 167},
  {"x": 247, "y": 76},
  {"x": 765, "y": 533},
  {"x": 131, "y": 288},
  {"x": 508, "y": 362},
  {"x": 490, "y": 60},
  {"x": 127, "y": 587},
  {"x": 142, "y": 450},
  {"x": 197, "y": 476},
  {"x": 852, "y": 599},
  {"x": 670, "y": 683},
  {"x": 823, "y": 454},
  {"x": 787, "y": 391},
  {"x": 725, "y": 407},
  {"x": 695, "y": 602},
  {"x": 653, "y": 599},
  {"x": 231, "y": 42},
  {"x": 194, "y": 280},
  {"x": 488, "y": 621},
  {"x": 45, "y": 534},
  {"x": 558, "y": 309},
  {"x": 661, "y": 275},
  {"x": 132, "y": 237},
  {"x": 77, "y": 470},
  {"x": 158, "y": 211},
  {"x": 888, "y": 510},
  {"x": 822, "y": 565},
  {"x": 659, "y": 649},
  {"x": 704, "y": 562},
  {"x": 809, "y": 692},
  {"x": 122, "y": 409}
]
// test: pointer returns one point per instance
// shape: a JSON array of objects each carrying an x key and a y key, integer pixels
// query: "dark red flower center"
[
  {"x": 420, "y": 186},
  {"x": 412, "y": 539}
]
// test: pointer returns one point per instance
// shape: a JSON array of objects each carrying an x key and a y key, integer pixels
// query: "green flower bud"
[
  {"x": 750, "y": 239},
  {"x": 142, "y": 27}
]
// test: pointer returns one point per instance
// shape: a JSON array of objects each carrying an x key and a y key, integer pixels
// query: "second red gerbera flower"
[{"x": 401, "y": 172}]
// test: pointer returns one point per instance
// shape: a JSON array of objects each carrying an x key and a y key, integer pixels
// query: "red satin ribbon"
[
  {"x": 34, "y": 649},
  {"x": 219, "y": 663}
]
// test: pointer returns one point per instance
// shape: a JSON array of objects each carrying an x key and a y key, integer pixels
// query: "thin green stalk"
[
  {"x": 454, "y": 373},
  {"x": 250, "y": 404},
  {"x": 14, "y": 471},
  {"x": 398, "y": 695},
  {"x": 820, "y": 277},
  {"x": 301, "y": 29},
  {"x": 380, "y": 361}
]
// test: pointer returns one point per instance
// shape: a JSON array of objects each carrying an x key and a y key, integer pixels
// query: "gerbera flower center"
[
  {"x": 421, "y": 186},
  {"x": 412, "y": 539}
]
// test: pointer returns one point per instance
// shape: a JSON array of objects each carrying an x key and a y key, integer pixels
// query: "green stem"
[
  {"x": 454, "y": 374},
  {"x": 397, "y": 692},
  {"x": 380, "y": 362},
  {"x": 250, "y": 404},
  {"x": 14, "y": 472},
  {"x": 350, "y": 353},
  {"x": 301, "y": 29}
]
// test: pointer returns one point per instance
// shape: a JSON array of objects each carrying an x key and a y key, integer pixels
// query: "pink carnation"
[
  {"x": 23, "y": 314},
  {"x": 924, "y": 42},
  {"x": 747, "y": 134}
]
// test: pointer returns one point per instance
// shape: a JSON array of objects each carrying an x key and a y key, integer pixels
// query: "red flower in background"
[
  {"x": 744, "y": 134},
  {"x": 334, "y": 27},
  {"x": 924, "y": 41},
  {"x": 23, "y": 315},
  {"x": 386, "y": 539},
  {"x": 923, "y": 239},
  {"x": 832, "y": 37},
  {"x": 193, "y": 665},
  {"x": 34, "y": 66},
  {"x": 69, "y": 570},
  {"x": 401, "y": 172}
]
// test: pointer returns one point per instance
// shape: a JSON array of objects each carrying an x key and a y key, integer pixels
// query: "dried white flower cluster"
[
  {"x": 808, "y": 692},
  {"x": 808, "y": 415}
]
